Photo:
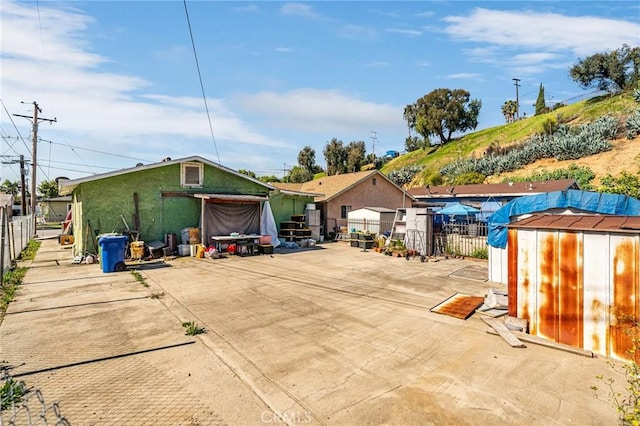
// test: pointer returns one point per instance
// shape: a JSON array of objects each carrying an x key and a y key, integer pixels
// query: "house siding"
[
  {"x": 364, "y": 194},
  {"x": 283, "y": 206}
]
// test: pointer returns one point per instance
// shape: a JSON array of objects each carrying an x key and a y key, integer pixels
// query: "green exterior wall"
[
  {"x": 99, "y": 204},
  {"x": 283, "y": 206}
]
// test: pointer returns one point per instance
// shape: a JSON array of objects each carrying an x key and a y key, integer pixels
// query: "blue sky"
[{"x": 121, "y": 76}]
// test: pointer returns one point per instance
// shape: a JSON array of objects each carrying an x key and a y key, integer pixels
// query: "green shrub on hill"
[
  {"x": 582, "y": 174},
  {"x": 566, "y": 143}
]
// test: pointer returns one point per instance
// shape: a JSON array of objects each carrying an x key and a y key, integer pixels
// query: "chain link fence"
[{"x": 20, "y": 405}]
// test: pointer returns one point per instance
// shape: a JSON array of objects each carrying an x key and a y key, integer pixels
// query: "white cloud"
[
  {"x": 581, "y": 35},
  {"x": 378, "y": 64},
  {"x": 284, "y": 49},
  {"x": 464, "y": 76},
  {"x": 249, "y": 8},
  {"x": 101, "y": 110},
  {"x": 404, "y": 31},
  {"x": 298, "y": 9},
  {"x": 318, "y": 110},
  {"x": 356, "y": 32}
]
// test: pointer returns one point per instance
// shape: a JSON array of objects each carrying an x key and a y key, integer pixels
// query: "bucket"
[{"x": 137, "y": 249}]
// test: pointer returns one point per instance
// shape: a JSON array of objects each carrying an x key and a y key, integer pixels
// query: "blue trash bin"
[{"x": 112, "y": 250}]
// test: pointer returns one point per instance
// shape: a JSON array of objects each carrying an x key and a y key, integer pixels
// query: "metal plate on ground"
[
  {"x": 459, "y": 305},
  {"x": 472, "y": 272}
]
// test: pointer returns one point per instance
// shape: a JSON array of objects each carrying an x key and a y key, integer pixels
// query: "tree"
[
  {"x": 355, "y": 156},
  {"x": 443, "y": 112},
  {"x": 268, "y": 179},
  {"x": 616, "y": 70},
  {"x": 307, "y": 159},
  {"x": 541, "y": 106},
  {"x": 509, "y": 109},
  {"x": 248, "y": 173},
  {"x": 413, "y": 143},
  {"x": 10, "y": 187},
  {"x": 335, "y": 155},
  {"x": 299, "y": 174},
  {"x": 48, "y": 188}
]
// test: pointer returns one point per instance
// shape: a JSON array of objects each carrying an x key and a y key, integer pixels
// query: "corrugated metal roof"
[
  {"x": 492, "y": 189},
  {"x": 579, "y": 222}
]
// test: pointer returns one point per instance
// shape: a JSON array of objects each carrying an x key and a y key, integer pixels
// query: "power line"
[
  {"x": 204, "y": 97},
  {"x": 96, "y": 151},
  {"x": 14, "y": 126}
]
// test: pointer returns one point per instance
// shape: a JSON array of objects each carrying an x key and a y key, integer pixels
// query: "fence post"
[
  {"x": 12, "y": 240},
  {"x": 3, "y": 230}
]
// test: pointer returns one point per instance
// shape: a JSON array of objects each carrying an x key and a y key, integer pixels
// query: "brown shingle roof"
[
  {"x": 493, "y": 189},
  {"x": 330, "y": 186}
]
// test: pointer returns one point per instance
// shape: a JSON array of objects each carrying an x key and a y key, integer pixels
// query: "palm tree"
[
  {"x": 10, "y": 187},
  {"x": 509, "y": 109}
]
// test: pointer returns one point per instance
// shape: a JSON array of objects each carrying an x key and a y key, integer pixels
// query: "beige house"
[
  {"x": 54, "y": 209},
  {"x": 350, "y": 191}
]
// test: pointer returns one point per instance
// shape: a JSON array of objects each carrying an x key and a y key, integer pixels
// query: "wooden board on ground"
[
  {"x": 529, "y": 338},
  {"x": 504, "y": 332}
]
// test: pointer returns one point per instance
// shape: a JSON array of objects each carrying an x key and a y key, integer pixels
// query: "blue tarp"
[
  {"x": 487, "y": 208},
  {"x": 592, "y": 202}
]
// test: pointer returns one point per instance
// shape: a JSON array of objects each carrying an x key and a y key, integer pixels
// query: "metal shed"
[
  {"x": 560, "y": 202},
  {"x": 576, "y": 279},
  {"x": 375, "y": 220}
]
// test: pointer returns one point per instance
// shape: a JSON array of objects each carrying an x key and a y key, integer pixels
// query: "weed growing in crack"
[{"x": 191, "y": 328}]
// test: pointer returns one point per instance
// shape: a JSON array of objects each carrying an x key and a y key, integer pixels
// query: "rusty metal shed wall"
[{"x": 574, "y": 286}]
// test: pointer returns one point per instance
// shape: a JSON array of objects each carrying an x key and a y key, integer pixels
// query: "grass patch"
[
  {"x": 480, "y": 253},
  {"x": 191, "y": 328},
  {"x": 11, "y": 392},
  {"x": 10, "y": 283},
  {"x": 138, "y": 277},
  {"x": 30, "y": 251}
]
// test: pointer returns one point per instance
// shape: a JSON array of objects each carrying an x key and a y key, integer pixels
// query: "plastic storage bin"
[{"x": 112, "y": 249}]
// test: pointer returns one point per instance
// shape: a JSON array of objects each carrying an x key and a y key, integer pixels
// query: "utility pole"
[
  {"x": 517, "y": 99},
  {"x": 34, "y": 134},
  {"x": 373, "y": 142},
  {"x": 23, "y": 189}
]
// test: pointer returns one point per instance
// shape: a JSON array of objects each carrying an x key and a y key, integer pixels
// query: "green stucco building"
[{"x": 154, "y": 200}]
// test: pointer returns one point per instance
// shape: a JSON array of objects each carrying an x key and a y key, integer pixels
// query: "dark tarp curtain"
[{"x": 225, "y": 218}]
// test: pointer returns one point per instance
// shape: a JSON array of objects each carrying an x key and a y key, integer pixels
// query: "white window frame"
[{"x": 183, "y": 175}]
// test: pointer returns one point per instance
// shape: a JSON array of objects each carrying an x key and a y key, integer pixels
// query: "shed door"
[
  {"x": 624, "y": 294},
  {"x": 559, "y": 294}
]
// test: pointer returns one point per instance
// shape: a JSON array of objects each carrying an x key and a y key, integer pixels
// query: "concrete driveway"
[{"x": 332, "y": 335}]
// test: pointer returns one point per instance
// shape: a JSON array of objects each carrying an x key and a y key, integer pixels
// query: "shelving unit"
[
  {"x": 362, "y": 240},
  {"x": 294, "y": 230}
]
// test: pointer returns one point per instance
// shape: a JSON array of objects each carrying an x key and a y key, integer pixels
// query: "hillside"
[{"x": 623, "y": 156}]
